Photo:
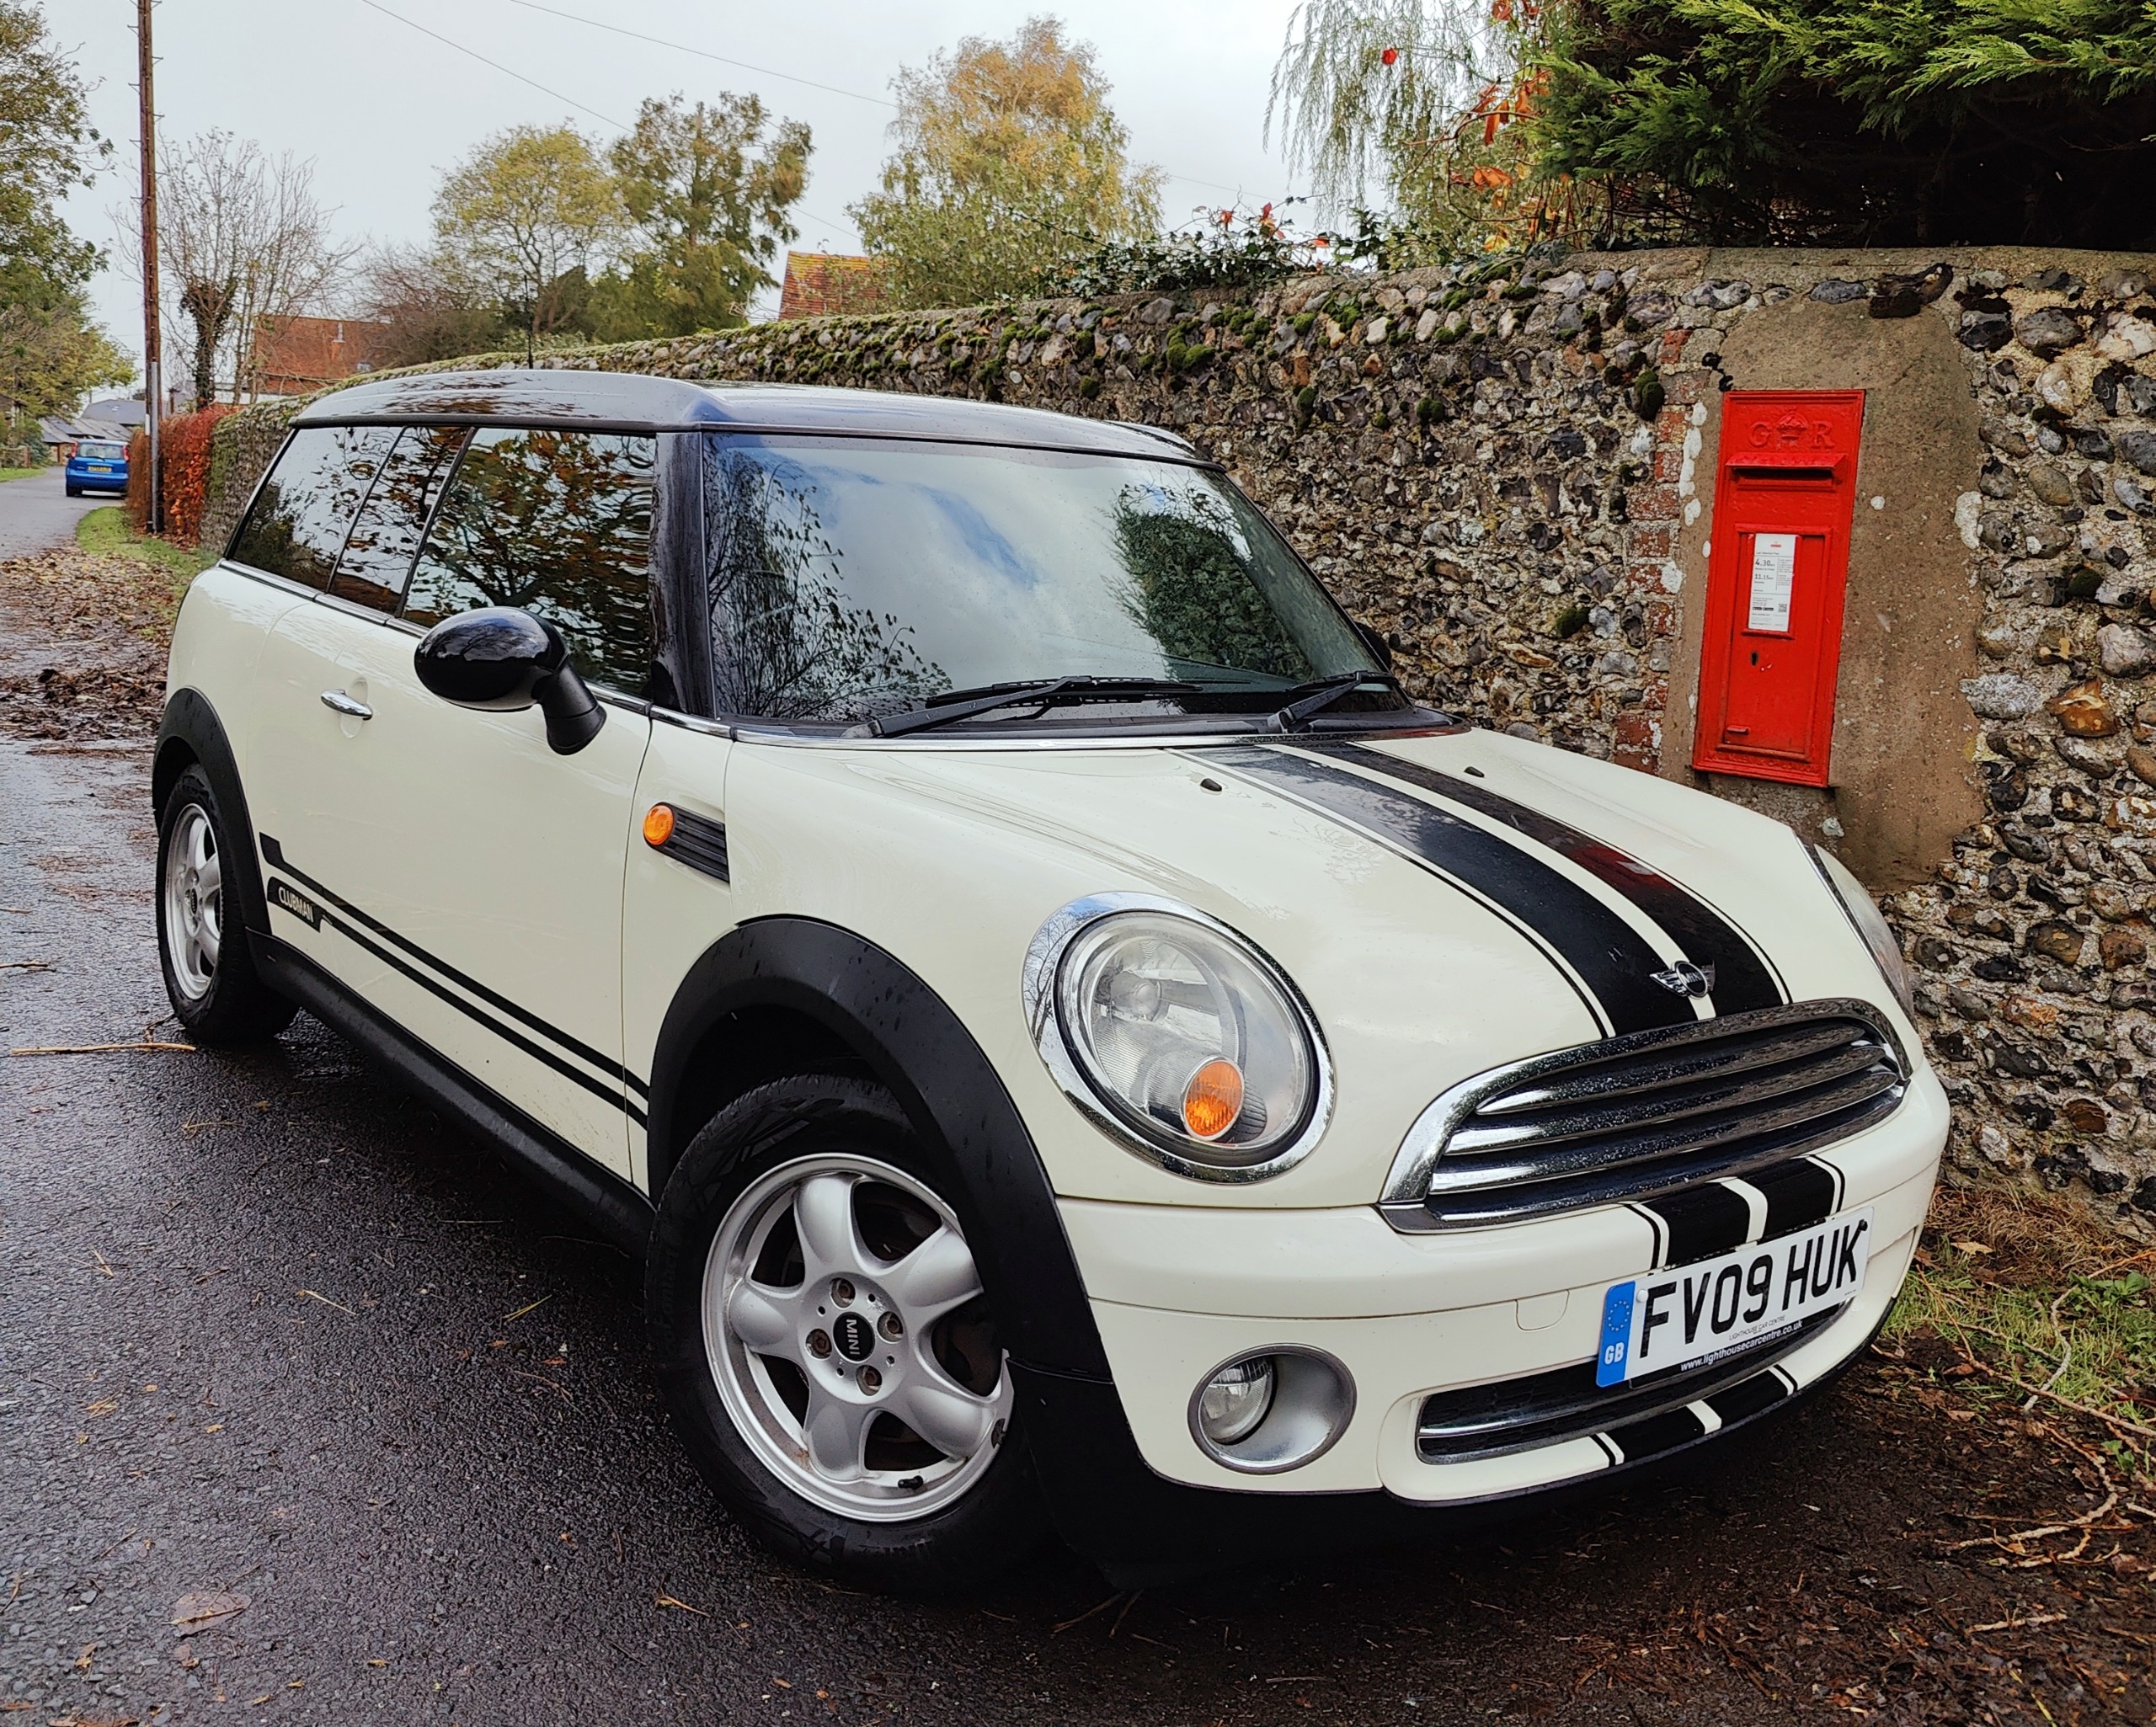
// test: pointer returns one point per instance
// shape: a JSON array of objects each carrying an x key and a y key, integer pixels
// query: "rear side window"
[
  {"x": 385, "y": 536},
  {"x": 558, "y": 522},
  {"x": 297, "y": 524}
]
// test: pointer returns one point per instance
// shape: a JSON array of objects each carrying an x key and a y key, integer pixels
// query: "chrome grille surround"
[{"x": 1645, "y": 1115}]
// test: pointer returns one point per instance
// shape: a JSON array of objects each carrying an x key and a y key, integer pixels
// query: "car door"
[{"x": 445, "y": 862}]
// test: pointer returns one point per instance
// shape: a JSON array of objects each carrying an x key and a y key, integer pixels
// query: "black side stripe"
[
  {"x": 1606, "y": 954},
  {"x": 1743, "y": 978},
  {"x": 275, "y": 853}
]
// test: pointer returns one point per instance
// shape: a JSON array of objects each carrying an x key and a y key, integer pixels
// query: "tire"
[
  {"x": 74, "y": 491},
  {"x": 210, "y": 975},
  {"x": 767, "y": 1335}
]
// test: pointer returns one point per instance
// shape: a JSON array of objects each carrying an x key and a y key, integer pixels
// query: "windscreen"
[
  {"x": 101, "y": 452},
  {"x": 852, "y": 577}
]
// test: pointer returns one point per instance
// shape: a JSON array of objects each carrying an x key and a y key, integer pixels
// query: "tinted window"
[
  {"x": 297, "y": 524},
  {"x": 558, "y": 522},
  {"x": 101, "y": 452},
  {"x": 852, "y": 577},
  {"x": 378, "y": 551}
]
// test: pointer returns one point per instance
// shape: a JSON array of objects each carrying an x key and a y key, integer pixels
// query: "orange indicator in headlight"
[
  {"x": 659, "y": 824},
  {"x": 1213, "y": 1099}
]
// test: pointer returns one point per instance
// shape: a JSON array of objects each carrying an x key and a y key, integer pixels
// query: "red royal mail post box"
[{"x": 1776, "y": 567}]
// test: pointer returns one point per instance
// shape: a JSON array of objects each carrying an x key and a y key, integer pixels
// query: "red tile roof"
[
  {"x": 829, "y": 284},
  {"x": 293, "y": 355}
]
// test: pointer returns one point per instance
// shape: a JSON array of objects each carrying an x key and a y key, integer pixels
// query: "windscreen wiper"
[
  {"x": 1322, "y": 693},
  {"x": 955, "y": 704}
]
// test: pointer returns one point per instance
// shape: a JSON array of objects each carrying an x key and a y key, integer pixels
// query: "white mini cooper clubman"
[{"x": 1074, "y": 1046}]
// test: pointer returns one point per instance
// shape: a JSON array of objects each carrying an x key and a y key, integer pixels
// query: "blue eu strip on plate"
[{"x": 1616, "y": 1335}]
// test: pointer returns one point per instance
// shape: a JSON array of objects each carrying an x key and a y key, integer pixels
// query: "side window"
[
  {"x": 558, "y": 522},
  {"x": 297, "y": 524},
  {"x": 379, "y": 550}
]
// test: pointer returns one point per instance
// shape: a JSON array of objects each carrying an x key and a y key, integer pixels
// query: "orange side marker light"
[
  {"x": 1213, "y": 1099},
  {"x": 659, "y": 824}
]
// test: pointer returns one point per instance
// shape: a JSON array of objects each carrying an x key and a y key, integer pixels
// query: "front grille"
[
  {"x": 1645, "y": 1115},
  {"x": 1544, "y": 1409}
]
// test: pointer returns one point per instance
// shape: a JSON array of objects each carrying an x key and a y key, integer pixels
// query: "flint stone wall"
[{"x": 1511, "y": 475}]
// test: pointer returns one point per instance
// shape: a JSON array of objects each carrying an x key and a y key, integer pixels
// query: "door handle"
[{"x": 337, "y": 702}]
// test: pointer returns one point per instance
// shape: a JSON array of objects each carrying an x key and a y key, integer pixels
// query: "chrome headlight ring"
[{"x": 1041, "y": 989}]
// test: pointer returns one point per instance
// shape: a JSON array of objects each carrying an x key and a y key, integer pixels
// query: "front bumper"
[{"x": 1177, "y": 1290}]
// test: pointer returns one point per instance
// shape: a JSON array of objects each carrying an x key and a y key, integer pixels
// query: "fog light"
[
  {"x": 1272, "y": 1409},
  {"x": 1235, "y": 1399}
]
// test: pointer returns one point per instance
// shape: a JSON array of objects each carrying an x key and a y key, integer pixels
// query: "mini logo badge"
[
  {"x": 1685, "y": 979},
  {"x": 856, "y": 1340}
]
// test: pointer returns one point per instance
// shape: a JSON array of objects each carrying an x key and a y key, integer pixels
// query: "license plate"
[{"x": 1679, "y": 1317}]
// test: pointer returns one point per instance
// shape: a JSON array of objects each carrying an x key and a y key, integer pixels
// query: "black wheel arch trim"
[
  {"x": 907, "y": 1036},
  {"x": 191, "y": 728}
]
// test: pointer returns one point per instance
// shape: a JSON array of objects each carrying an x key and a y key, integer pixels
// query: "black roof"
[{"x": 636, "y": 401}]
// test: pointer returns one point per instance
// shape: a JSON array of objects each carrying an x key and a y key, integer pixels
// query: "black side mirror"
[
  {"x": 1377, "y": 644},
  {"x": 501, "y": 660}
]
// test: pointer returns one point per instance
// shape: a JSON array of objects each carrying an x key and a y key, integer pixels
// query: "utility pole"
[{"x": 153, "y": 342}]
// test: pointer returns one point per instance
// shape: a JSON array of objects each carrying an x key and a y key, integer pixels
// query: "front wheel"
[
  {"x": 217, "y": 996},
  {"x": 826, "y": 1347}
]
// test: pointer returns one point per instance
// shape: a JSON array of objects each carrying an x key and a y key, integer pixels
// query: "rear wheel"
[
  {"x": 826, "y": 1347},
  {"x": 209, "y": 976}
]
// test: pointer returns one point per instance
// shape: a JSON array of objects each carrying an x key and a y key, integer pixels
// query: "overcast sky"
[{"x": 383, "y": 109}]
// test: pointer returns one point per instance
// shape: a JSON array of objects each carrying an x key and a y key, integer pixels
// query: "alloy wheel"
[
  {"x": 844, "y": 1327},
  {"x": 193, "y": 902}
]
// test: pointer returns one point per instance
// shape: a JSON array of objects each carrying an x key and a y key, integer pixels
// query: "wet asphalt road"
[{"x": 37, "y": 512}]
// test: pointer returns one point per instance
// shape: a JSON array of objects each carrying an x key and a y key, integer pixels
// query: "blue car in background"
[{"x": 97, "y": 467}]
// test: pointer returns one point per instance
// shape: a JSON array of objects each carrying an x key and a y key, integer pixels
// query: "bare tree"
[
  {"x": 245, "y": 241},
  {"x": 431, "y": 309}
]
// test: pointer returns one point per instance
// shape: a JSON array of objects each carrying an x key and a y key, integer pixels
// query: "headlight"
[
  {"x": 1870, "y": 924},
  {"x": 1178, "y": 1036}
]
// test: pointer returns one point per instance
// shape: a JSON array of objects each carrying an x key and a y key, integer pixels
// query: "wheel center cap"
[{"x": 855, "y": 1336}]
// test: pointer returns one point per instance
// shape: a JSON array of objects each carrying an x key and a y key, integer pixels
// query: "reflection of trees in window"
[
  {"x": 789, "y": 645},
  {"x": 378, "y": 551},
  {"x": 558, "y": 522},
  {"x": 1190, "y": 587},
  {"x": 298, "y": 521}
]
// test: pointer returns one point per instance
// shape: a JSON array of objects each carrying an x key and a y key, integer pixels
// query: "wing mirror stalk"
[{"x": 499, "y": 659}]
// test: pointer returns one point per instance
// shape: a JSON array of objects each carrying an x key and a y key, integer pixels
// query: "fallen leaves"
[
  {"x": 208, "y": 1607},
  {"x": 659, "y": 1598}
]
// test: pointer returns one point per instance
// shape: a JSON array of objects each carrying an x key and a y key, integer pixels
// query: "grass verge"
[
  {"x": 106, "y": 533},
  {"x": 2046, "y": 1309},
  {"x": 20, "y": 473}
]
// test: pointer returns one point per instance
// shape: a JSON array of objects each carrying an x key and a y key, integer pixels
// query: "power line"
[
  {"x": 772, "y": 72},
  {"x": 507, "y": 72},
  {"x": 702, "y": 53},
  {"x": 475, "y": 54}
]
